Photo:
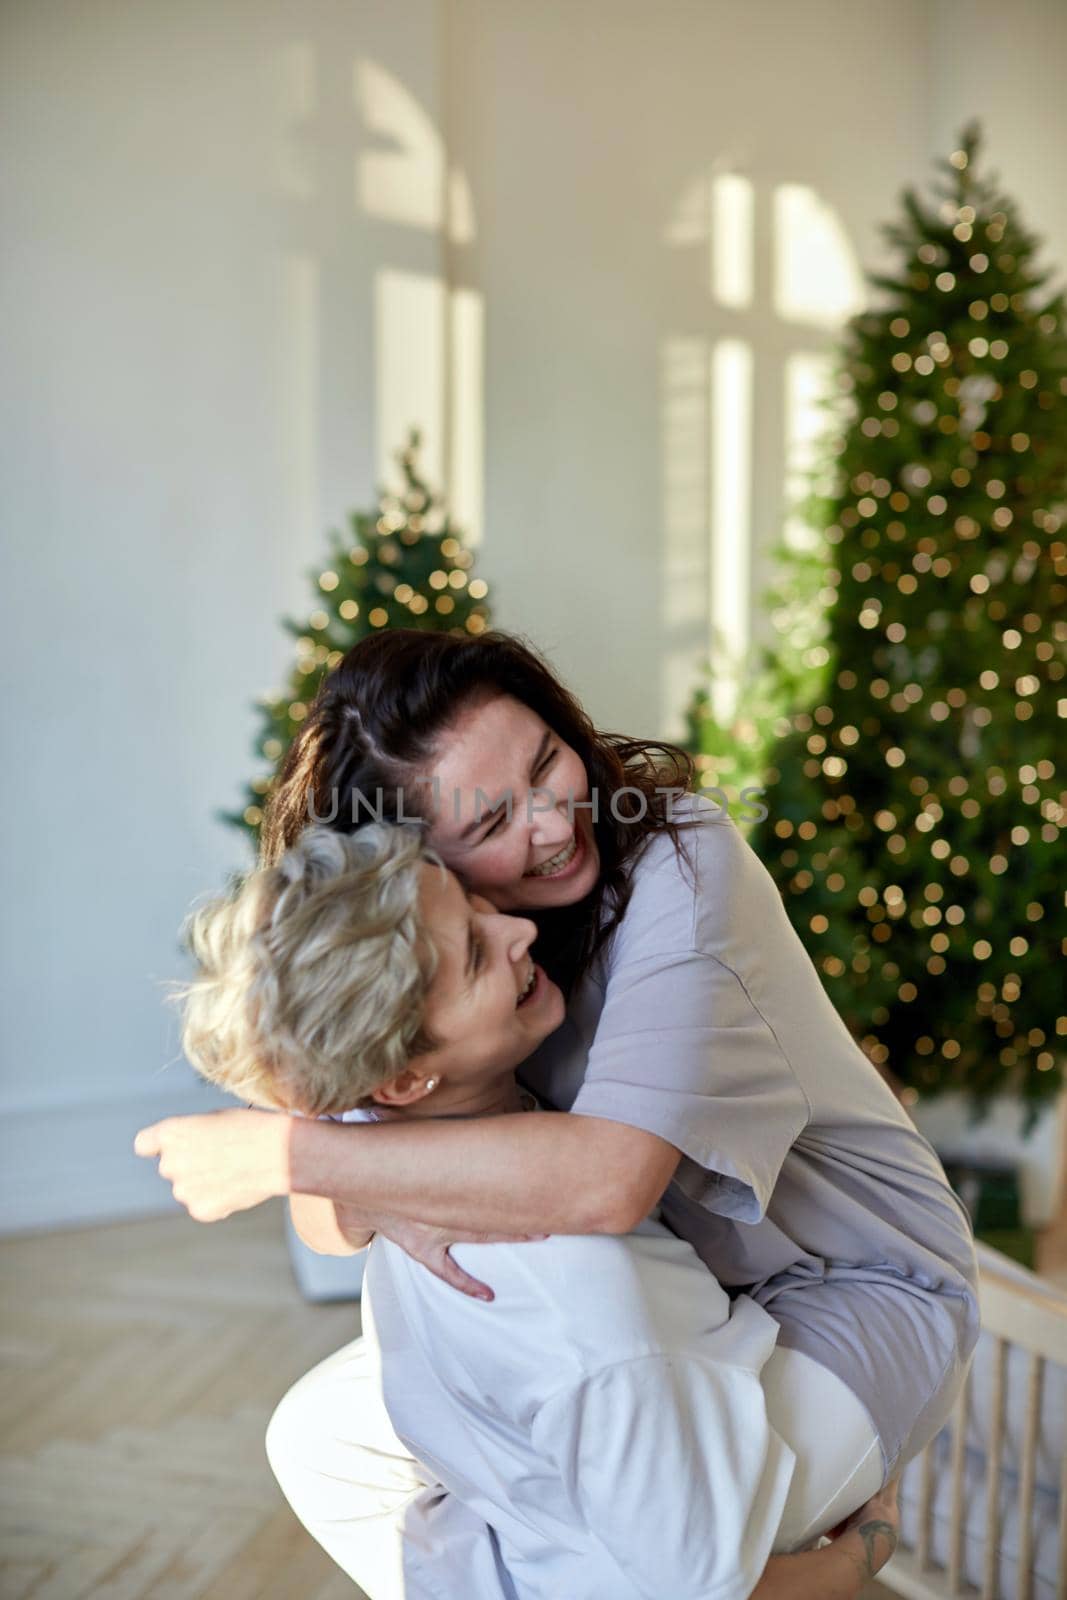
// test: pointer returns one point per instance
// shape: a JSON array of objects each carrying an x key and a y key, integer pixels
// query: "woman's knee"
[
  {"x": 303, "y": 1429},
  {"x": 293, "y": 1442},
  {"x": 330, "y": 1440}
]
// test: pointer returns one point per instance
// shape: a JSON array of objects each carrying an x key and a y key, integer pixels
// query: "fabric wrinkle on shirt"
[
  {"x": 605, "y": 1407},
  {"x": 803, "y": 1182}
]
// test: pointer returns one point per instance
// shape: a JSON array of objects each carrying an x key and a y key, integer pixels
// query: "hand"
[
  {"x": 222, "y": 1161},
  {"x": 870, "y": 1534},
  {"x": 431, "y": 1247}
]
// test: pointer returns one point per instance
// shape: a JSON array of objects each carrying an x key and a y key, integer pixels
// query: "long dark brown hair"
[{"x": 379, "y": 716}]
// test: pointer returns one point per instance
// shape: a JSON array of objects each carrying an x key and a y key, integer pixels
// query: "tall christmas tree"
[
  {"x": 916, "y": 804},
  {"x": 732, "y": 753},
  {"x": 401, "y": 566}
]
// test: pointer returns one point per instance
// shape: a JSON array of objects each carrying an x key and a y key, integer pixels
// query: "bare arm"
[
  {"x": 516, "y": 1175},
  {"x": 327, "y": 1228},
  {"x": 529, "y": 1173},
  {"x": 839, "y": 1571}
]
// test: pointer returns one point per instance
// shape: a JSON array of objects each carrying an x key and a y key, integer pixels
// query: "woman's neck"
[{"x": 499, "y": 1098}]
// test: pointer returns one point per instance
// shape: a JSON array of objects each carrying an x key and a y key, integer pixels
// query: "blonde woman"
[
  {"x": 612, "y": 1426},
  {"x": 701, "y": 1065}
]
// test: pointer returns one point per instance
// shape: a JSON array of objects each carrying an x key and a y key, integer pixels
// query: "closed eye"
[{"x": 543, "y": 766}]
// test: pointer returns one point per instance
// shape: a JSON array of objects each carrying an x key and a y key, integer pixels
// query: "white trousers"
[{"x": 401, "y": 1536}]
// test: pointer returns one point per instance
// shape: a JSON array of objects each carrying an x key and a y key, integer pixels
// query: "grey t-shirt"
[{"x": 802, "y": 1180}]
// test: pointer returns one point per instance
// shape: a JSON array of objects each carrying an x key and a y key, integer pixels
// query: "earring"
[{"x": 431, "y": 1085}]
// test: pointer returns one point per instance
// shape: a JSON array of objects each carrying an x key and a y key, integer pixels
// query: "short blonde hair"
[{"x": 313, "y": 973}]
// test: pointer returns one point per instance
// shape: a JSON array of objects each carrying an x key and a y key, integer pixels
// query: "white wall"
[
  {"x": 188, "y": 301},
  {"x": 1005, "y": 64},
  {"x": 228, "y": 227},
  {"x": 585, "y": 129}
]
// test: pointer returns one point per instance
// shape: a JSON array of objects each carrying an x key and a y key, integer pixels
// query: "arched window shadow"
[
  {"x": 771, "y": 278},
  {"x": 425, "y": 342}
]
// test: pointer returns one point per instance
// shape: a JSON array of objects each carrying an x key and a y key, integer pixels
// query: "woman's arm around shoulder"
[
  {"x": 523, "y": 1174},
  {"x": 532, "y": 1173}
]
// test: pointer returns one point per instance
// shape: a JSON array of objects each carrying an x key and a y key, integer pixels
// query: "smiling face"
[
  {"x": 489, "y": 1005},
  {"x": 544, "y": 852}
]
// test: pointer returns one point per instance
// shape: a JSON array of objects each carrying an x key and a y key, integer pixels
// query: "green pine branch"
[
  {"x": 401, "y": 565},
  {"x": 914, "y": 779}
]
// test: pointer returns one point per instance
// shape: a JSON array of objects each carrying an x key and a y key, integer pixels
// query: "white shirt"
[{"x": 604, "y": 1414}]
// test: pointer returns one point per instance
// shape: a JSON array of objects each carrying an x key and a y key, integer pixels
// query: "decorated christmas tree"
[
  {"x": 916, "y": 802},
  {"x": 401, "y": 566},
  {"x": 733, "y": 748},
  {"x": 732, "y": 752}
]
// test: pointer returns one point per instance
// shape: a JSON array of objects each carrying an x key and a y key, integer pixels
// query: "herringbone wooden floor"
[{"x": 139, "y": 1364}]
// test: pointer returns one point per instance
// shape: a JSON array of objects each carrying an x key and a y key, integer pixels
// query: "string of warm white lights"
[{"x": 915, "y": 812}]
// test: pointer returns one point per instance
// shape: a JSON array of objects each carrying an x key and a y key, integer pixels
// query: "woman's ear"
[{"x": 406, "y": 1088}]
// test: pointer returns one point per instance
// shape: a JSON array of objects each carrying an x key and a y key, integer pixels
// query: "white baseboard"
[{"x": 68, "y": 1166}]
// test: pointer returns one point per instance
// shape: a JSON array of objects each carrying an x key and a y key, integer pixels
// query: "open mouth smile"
[
  {"x": 557, "y": 863},
  {"x": 529, "y": 986}
]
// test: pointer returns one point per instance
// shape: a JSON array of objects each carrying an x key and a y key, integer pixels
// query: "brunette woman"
[{"x": 702, "y": 1061}]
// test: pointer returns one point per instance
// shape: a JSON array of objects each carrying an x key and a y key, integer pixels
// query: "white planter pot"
[{"x": 1040, "y": 1157}]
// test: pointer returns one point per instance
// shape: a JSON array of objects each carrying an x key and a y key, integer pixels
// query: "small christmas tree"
[
  {"x": 402, "y": 566},
  {"x": 916, "y": 804}
]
